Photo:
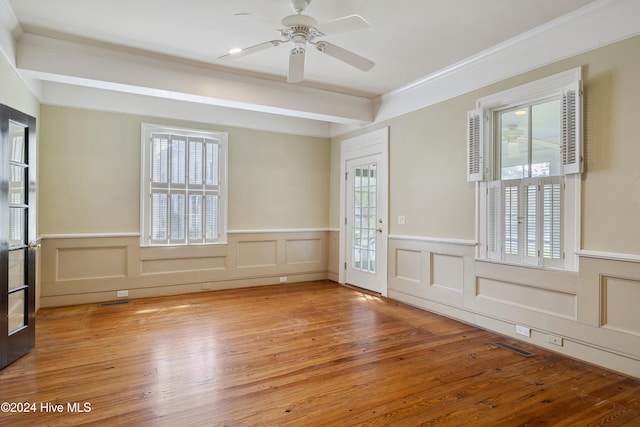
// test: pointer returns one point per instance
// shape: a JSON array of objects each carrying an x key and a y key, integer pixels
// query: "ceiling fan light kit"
[
  {"x": 299, "y": 5},
  {"x": 302, "y": 29}
]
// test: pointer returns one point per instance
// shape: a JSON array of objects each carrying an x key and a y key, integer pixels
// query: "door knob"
[{"x": 34, "y": 245}]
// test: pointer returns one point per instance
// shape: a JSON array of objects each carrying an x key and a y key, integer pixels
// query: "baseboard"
[
  {"x": 601, "y": 357},
  {"x": 158, "y": 291}
]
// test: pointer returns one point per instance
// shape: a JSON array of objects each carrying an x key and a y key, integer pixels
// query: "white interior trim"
[
  {"x": 9, "y": 30},
  {"x": 137, "y": 234},
  {"x": 460, "y": 242},
  {"x": 374, "y": 142},
  {"x": 89, "y": 235},
  {"x": 279, "y": 230},
  {"x": 612, "y": 256},
  {"x": 535, "y": 89},
  {"x": 615, "y": 20}
]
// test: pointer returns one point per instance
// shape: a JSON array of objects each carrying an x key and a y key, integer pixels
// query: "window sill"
[
  {"x": 525, "y": 266},
  {"x": 189, "y": 245}
]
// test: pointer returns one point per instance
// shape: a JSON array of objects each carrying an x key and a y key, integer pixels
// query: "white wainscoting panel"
[
  {"x": 447, "y": 271},
  {"x": 620, "y": 304},
  {"x": 434, "y": 270},
  {"x": 303, "y": 251},
  {"x": 91, "y": 263},
  {"x": 595, "y": 311},
  {"x": 155, "y": 266},
  {"x": 556, "y": 303},
  {"x": 257, "y": 254},
  {"x": 408, "y": 265},
  {"x": 80, "y": 269}
]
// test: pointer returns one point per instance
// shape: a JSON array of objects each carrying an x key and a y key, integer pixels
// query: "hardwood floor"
[{"x": 296, "y": 354}]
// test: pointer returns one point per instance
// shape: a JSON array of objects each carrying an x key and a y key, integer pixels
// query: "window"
[
  {"x": 525, "y": 151},
  {"x": 183, "y": 186}
]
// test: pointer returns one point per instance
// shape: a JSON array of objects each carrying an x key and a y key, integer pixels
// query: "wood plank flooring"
[{"x": 296, "y": 354}]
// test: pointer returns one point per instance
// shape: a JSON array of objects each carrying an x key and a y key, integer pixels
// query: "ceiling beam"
[
  {"x": 88, "y": 65},
  {"x": 91, "y": 98}
]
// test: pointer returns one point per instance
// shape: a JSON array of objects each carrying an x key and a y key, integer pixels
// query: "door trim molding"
[{"x": 371, "y": 143}]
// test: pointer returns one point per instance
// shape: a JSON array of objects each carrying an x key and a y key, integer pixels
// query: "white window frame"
[
  {"x": 147, "y": 186},
  {"x": 564, "y": 84}
]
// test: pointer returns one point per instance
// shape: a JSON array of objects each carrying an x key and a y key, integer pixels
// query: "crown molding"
[
  {"x": 277, "y": 106},
  {"x": 10, "y": 30},
  {"x": 615, "y": 20}
]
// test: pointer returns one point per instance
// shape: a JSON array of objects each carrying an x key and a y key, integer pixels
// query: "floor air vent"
[
  {"x": 520, "y": 351},
  {"x": 109, "y": 304}
]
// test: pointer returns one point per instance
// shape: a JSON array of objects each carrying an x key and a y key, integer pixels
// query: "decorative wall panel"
[
  {"x": 91, "y": 263},
  {"x": 257, "y": 254},
  {"x": 92, "y": 268},
  {"x": 407, "y": 265},
  {"x": 447, "y": 271},
  {"x": 302, "y": 251},
  {"x": 181, "y": 265},
  {"x": 528, "y": 297},
  {"x": 620, "y": 299}
]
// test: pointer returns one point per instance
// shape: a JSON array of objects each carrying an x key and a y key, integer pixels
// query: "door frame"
[{"x": 368, "y": 144}]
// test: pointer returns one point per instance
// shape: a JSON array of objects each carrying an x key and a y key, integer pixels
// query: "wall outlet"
[
  {"x": 122, "y": 294},
  {"x": 523, "y": 330},
  {"x": 283, "y": 279},
  {"x": 552, "y": 339},
  {"x": 402, "y": 220}
]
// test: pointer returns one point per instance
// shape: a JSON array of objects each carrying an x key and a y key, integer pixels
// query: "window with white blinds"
[
  {"x": 525, "y": 221},
  {"x": 183, "y": 186},
  {"x": 525, "y": 152}
]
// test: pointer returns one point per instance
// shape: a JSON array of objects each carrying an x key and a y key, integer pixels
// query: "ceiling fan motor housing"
[
  {"x": 299, "y": 21},
  {"x": 299, "y": 28}
]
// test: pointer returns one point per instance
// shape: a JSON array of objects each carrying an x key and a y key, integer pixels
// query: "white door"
[
  {"x": 364, "y": 199},
  {"x": 366, "y": 223}
]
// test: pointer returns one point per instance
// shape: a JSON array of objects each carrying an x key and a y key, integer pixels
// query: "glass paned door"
[
  {"x": 366, "y": 224},
  {"x": 17, "y": 235},
  {"x": 365, "y": 217}
]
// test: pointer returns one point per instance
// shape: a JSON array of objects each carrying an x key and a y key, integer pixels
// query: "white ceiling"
[{"x": 77, "y": 42}]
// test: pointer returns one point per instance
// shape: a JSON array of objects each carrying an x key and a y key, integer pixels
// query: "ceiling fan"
[{"x": 301, "y": 29}]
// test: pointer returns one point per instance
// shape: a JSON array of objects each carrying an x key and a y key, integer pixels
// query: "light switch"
[{"x": 402, "y": 220}]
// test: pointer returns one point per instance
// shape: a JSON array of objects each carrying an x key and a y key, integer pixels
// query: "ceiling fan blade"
[
  {"x": 296, "y": 65},
  {"x": 251, "y": 49},
  {"x": 257, "y": 19},
  {"x": 341, "y": 25},
  {"x": 344, "y": 55}
]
